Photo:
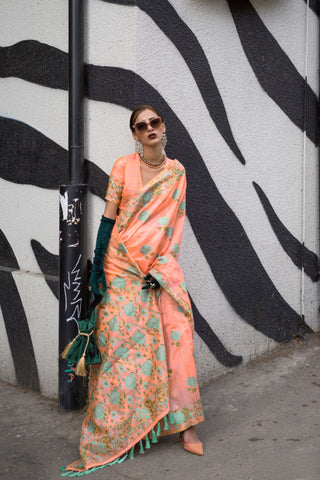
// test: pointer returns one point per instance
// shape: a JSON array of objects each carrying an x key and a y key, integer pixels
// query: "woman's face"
[{"x": 149, "y": 134}]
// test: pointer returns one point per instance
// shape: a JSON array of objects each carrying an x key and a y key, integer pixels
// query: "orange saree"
[{"x": 146, "y": 384}]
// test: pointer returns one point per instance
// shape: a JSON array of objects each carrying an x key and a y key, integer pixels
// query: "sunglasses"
[{"x": 142, "y": 127}]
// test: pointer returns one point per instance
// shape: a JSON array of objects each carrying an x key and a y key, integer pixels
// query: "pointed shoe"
[{"x": 195, "y": 448}]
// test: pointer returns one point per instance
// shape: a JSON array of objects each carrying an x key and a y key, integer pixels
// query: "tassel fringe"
[
  {"x": 154, "y": 437},
  {"x": 147, "y": 444},
  {"x": 130, "y": 454},
  {"x": 166, "y": 426},
  {"x": 67, "y": 348},
  {"x": 70, "y": 474},
  {"x": 81, "y": 367},
  {"x": 141, "y": 447}
]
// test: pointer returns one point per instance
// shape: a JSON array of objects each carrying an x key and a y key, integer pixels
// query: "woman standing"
[{"x": 146, "y": 384}]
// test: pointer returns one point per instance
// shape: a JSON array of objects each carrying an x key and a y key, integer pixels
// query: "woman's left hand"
[{"x": 151, "y": 282}]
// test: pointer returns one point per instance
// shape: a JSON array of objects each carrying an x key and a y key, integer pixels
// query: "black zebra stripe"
[
  {"x": 314, "y": 5},
  {"x": 15, "y": 321},
  {"x": 274, "y": 70},
  {"x": 41, "y": 161},
  {"x": 49, "y": 266},
  {"x": 35, "y": 62},
  {"x": 205, "y": 332},
  {"x": 299, "y": 254}
]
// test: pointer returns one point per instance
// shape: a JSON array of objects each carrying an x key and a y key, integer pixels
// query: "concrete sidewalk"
[{"x": 262, "y": 423}]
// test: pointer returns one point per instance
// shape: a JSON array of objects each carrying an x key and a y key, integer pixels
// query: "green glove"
[{"x": 97, "y": 275}]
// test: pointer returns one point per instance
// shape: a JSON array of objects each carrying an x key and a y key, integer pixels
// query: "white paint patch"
[{"x": 64, "y": 205}]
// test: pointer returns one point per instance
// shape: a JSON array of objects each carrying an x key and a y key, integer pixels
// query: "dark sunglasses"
[{"x": 143, "y": 126}]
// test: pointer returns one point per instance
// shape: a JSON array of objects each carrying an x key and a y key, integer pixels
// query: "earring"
[
  {"x": 139, "y": 147},
  {"x": 164, "y": 141}
]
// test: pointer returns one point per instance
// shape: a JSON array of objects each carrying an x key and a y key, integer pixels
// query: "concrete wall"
[{"x": 229, "y": 78}]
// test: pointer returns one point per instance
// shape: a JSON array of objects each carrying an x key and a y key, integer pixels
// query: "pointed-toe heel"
[{"x": 195, "y": 448}]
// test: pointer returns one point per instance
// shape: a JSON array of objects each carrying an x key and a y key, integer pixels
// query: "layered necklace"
[{"x": 158, "y": 165}]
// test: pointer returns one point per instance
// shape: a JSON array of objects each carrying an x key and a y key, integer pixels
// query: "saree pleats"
[{"x": 147, "y": 381}]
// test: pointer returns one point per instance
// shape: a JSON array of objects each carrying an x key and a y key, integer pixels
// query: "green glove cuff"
[{"x": 97, "y": 274}]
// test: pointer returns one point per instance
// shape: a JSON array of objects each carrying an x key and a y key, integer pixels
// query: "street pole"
[{"x": 73, "y": 284}]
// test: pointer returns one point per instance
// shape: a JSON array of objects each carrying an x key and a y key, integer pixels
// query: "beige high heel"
[{"x": 196, "y": 448}]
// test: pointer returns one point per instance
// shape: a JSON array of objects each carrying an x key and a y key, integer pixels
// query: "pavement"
[{"x": 262, "y": 423}]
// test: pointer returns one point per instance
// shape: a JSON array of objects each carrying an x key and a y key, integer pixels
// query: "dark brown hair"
[{"x": 141, "y": 108}]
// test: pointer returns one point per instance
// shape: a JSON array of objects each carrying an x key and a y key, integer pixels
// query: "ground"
[{"x": 262, "y": 423}]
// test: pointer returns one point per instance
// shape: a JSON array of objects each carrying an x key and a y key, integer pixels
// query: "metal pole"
[
  {"x": 73, "y": 285},
  {"x": 76, "y": 89}
]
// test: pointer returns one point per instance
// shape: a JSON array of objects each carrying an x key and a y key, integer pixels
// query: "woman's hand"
[{"x": 151, "y": 282}]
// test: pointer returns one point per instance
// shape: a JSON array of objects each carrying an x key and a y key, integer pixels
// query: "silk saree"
[{"x": 146, "y": 384}]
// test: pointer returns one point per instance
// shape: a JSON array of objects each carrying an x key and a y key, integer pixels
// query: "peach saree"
[{"x": 146, "y": 384}]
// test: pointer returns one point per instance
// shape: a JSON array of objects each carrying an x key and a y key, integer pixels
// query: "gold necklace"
[{"x": 163, "y": 158}]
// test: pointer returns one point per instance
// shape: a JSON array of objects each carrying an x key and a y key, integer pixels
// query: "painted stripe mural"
[{"x": 233, "y": 261}]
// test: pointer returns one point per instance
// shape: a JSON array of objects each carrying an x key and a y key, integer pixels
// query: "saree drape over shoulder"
[{"x": 146, "y": 384}]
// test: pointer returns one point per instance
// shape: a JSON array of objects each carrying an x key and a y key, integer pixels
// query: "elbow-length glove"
[{"x": 97, "y": 277}]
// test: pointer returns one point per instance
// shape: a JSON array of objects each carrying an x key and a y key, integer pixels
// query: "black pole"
[
  {"x": 73, "y": 285},
  {"x": 76, "y": 89}
]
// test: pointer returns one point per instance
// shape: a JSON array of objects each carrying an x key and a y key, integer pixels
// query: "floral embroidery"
[{"x": 114, "y": 189}]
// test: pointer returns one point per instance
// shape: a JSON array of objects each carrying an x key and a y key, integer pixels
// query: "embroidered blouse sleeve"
[{"x": 116, "y": 181}]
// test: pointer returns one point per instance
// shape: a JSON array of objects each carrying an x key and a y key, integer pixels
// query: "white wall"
[{"x": 126, "y": 37}]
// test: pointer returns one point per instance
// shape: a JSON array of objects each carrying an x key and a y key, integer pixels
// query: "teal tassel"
[
  {"x": 141, "y": 447},
  {"x": 123, "y": 458},
  {"x": 154, "y": 437},
  {"x": 131, "y": 454},
  {"x": 70, "y": 473},
  {"x": 158, "y": 429},
  {"x": 171, "y": 420},
  {"x": 147, "y": 445},
  {"x": 94, "y": 469},
  {"x": 166, "y": 426}
]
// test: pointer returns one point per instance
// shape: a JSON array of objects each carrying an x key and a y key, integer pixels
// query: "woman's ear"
[{"x": 135, "y": 136}]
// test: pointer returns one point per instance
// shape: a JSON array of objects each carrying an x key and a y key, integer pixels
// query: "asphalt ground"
[{"x": 262, "y": 423}]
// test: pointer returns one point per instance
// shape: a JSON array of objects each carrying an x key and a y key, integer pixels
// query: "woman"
[{"x": 146, "y": 384}]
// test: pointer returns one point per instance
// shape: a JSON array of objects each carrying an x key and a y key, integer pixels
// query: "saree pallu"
[{"x": 147, "y": 375}]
